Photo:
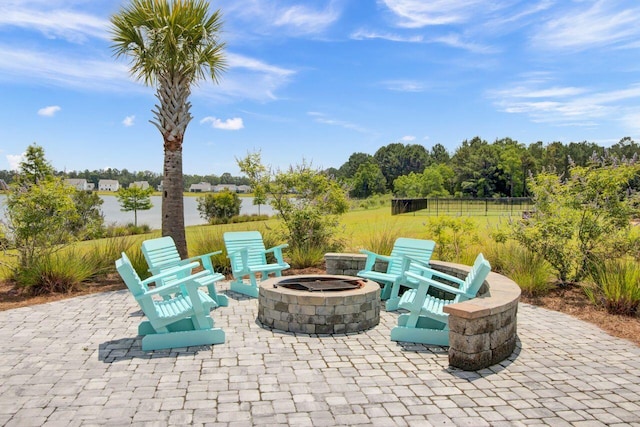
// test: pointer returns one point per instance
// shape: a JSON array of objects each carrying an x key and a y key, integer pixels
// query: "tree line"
[
  {"x": 477, "y": 168},
  {"x": 126, "y": 177}
]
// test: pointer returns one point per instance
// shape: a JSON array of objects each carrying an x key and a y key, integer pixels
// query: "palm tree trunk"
[{"x": 173, "y": 200}]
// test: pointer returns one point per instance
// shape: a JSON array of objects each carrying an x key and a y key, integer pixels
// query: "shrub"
[
  {"x": 451, "y": 235},
  {"x": 219, "y": 208},
  {"x": 55, "y": 272},
  {"x": 381, "y": 239},
  {"x": 305, "y": 257},
  {"x": 616, "y": 285},
  {"x": 529, "y": 270}
]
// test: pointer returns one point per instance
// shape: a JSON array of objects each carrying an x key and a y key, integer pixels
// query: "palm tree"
[{"x": 172, "y": 44}]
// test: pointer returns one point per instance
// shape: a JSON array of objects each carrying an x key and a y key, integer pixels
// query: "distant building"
[
  {"x": 244, "y": 189},
  {"x": 229, "y": 187},
  {"x": 140, "y": 184},
  {"x": 108, "y": 185},
  {"x": 161, "y": 185},
  {"x": 80, "y": 184},
  {"x": 203, "y": 187}
]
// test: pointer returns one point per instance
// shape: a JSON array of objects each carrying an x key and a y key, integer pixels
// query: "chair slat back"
[
  {"x": 130, "y": 276},
  {"x": 417, "y": 249},
  {"x": 160, "y": 253},
  {"x": 476, "y": 277},
  {"x": 252, "y": 240}
]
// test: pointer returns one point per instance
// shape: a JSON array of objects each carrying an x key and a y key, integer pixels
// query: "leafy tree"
[
  {"x": 172, "y": 45},
  {"x": 397, "y": 159},
  {"x": 219, "y": 207},
  {"x": 40, "y": 209},
  {"x": 89, "y": 222},
  {"x": 308, "y": 202},
  {"x": 349, "y": 169},
  {"x": 430, "y": 183},
  {"x": 582, "y": 218},
  {"x": 258, "y": 176},
  {"x": 368, "y": 181},
  {"x": 34, "y": 167},
  {"x": 475, "y": 164},
  {"x": 135, "y": 199},
  {"x": 439, "y": 154}
]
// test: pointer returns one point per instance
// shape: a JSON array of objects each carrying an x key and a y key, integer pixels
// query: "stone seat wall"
[{"x": 482, "y": 330}]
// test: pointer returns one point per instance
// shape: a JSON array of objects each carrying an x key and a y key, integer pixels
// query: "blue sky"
[{"x": 318, "y": 80}]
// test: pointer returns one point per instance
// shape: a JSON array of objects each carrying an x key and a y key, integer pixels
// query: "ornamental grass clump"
[{"x": 615, "y": 284}]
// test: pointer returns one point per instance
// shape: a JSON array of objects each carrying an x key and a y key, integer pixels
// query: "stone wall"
[{"x": 482, "y": 331}]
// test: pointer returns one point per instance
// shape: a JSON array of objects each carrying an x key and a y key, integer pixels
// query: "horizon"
[{"x": 323, "y": 79}]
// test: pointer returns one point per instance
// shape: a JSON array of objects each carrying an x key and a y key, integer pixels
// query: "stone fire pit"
[{"x": 312, "y": 304}]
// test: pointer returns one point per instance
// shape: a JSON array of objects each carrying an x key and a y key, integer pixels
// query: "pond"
[{"x": 153, "y": 217}]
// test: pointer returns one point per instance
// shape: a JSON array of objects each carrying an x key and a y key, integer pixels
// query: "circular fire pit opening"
[{"x": 319, "y": 304}]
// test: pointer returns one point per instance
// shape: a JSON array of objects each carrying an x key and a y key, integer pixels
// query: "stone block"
[
  {"x": 470, "y": 343},
  {"x": 470, "y": 361},
  {"x": 502, "y": 335},
  {"x": 503, "y": 351},
  {"x": 280, "y": 306}
]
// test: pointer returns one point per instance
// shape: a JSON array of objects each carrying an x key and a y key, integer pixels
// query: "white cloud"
[
  {"x": 305, "y": 20},
  {"x": 71, "y": 26},
  {"x": 370, "y": 35},
  {"x": 408, "y": 138},
  {"x": 601, "y": 24},
  {"x": 270, "y": 18},
  {"x": 129, "y": 121},
  {"x": 420, "y": 13},
  {"x": 14, "y": 161},
  {"x": 404, "y": 85},
  {"x": 49, "y": 111},
  {"x": 322, "y": 118},
  {"x": 63, "y": 70},
  {"x": 229, "y": 124},
  {"x": 568, "y": 106},
  {"x": 456, "y": 41}
]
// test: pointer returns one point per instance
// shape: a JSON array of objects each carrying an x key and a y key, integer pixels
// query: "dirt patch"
[
  {"x": 573, "y": 301},
  {"x": 570, "y": 300}
]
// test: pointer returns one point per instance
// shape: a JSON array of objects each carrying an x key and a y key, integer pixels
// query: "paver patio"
[{"x": 79, "y": 362}]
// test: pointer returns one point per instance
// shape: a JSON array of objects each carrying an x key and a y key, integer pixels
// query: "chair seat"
[{"x": 180, "y": 305}]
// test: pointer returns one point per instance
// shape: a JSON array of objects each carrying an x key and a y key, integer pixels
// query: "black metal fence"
[{"x": 463, "y": 206}]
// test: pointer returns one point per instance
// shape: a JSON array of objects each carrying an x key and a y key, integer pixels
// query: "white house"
[
  {"x": 3, "y": 185},
  {"x": 140, "y": 184},
  {"x": 108, "y": 185},
  {"x": 229, "y": 187},
  {"x": 79, "y": 184},
  {"x": 203, "y": 187},
  {"x": 244, "y": 189}
]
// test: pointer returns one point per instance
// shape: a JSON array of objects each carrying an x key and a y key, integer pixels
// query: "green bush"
[
  {"x": 62, "y": 271},
  {"x": 616, "y": 285},
  {"x": 305, "y": 257},
  {"x": 219, "y": 208},
  {"x": 529, "y": 270}
]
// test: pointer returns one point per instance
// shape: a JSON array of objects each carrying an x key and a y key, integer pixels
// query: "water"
[{"x": 153, "y": 217}]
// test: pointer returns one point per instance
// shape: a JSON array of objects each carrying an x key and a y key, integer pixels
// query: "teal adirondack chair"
[
  {"x": 248, "y": 257},
  {"x": 405, "y": 250},
  {"x": 161, "y": 254},
  {"x": 426, "y": 322},
  {"x": 178, "y": 313}
]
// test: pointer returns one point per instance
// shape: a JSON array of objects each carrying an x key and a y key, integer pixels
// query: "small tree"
[
  {"x": 308, "y": 202},
  {"x": 135, "y": 199},
  {"x": 219, "y": 207},
  {"x": 40, "y": 209},
  {"x": 580, "y": 219},
  {"x": 89, "y": 223}
]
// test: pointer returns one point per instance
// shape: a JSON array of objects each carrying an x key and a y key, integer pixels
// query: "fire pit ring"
[{"x": 287, "y": 303}]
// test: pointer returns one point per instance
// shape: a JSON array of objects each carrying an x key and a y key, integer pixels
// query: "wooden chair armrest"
[
  {"x": 200, "y": 257},
  {"x": 372, "y": 257},
  {"x": 437, "y": 273},
  {"x": 436, "y": 284},
  {"x": 170, "y": 272},
  {"x": 174, "y": 286}
]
